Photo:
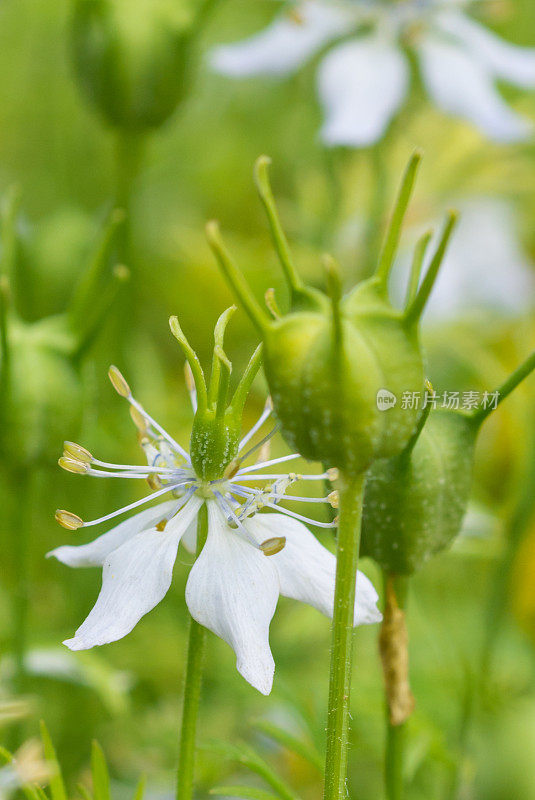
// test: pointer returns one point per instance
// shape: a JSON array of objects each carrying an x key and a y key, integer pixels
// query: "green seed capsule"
[
  {"x": 414, "y": 503},
  {"x": 131, "y": 57},
  {"x": 337, "y": 366}
]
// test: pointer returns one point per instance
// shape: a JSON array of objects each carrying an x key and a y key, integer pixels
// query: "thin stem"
[
  {"x": 351, "y": 496},
  {"x": 503, "y": 391},
  {"x": 192, "y": 687},
  {"x": 129, "y": 155}
]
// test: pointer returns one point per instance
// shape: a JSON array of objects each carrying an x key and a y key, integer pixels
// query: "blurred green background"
[{"x": 471, "y": 610}]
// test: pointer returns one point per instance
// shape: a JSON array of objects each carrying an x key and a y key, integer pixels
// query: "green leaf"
[
  {"x": 84, "y": 791},
  {"x": 57, "y": 786},
  {"x": 249, "y": 758},
  {"x": 292, "y": 743},
  {"x": 247, "y": 792},
  {"x": 100, "y": 774},
  {"x": 38, "y": 792},
  {"x": 140, "y": 788}
]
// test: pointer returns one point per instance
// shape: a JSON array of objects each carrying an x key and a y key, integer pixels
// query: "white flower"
[
  {"x": 364, "y": 79},
  {"x": 248, "y": 560},
  {"x": 485, "y": 267}
]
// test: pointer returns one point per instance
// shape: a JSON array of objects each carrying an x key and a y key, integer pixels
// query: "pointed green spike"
[
  {"x": 503, "y": 391},
  {"x": 416, "y": 266},
  {"x": 224, "y": 380},
  {"x": 416, "y": 307},
  {"x": 93, "y": 321},
  {"x": 242, "y": 390},
  {"x": 235, "y": 277},
  {"x": 219, "y": 336},
  {"x": 193, "y": 361},
  {"x": 261, "y": 176},
  {"x": 334, "y": 291},
  {"x": 89, "y": 287},
  {"x": 393, "y": 234}
]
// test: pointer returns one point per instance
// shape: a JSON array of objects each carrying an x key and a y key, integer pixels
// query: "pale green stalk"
[
  {"x": 192, "y": 688},
  {"x": 350, "y": 505}
]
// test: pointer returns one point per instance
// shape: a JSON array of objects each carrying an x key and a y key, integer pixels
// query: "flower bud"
[
  {"x": 42, "y": 393},
  {"x": 330, "y": 359},
  {"x": 132, "y": 58},
  {"x": 414, "y": 503}
]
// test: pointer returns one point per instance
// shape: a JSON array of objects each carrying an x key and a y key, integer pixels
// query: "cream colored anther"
[{"x": 118, "y": 381}]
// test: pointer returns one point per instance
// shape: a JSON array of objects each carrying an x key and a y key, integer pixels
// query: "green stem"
[
  {"x": 192, "y": 688},
  {"x": 395, "y": 733},
  {"x": 129, "y": 153},
  {"x": 350, "y": 504},
  {"x": 21, "y": 538}
]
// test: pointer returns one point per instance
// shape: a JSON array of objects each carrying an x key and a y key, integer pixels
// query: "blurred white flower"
[
  {"x": 364, "y": 76},
  {"x": 485, "y": 267},
  {"x": 26, "y": 768},
  {"x": 248, "y": 560}
]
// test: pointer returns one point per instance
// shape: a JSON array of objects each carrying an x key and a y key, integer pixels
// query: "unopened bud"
[
  {"x": 333, "y": 499},
  {"x": 118, "y": 382},
  {"x": 273, "y": 546},
  {"x": 138, "y": 419},
  {"x": 76, "y": 451},
  {"x": 333, "y": 474},
  {"x": 73, "y": 465},
  {"x": 68, "y": 520}
]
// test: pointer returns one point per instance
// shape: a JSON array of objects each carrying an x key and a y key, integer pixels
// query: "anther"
[
  {"x": 68, "y": 520},
  {"x": 271, "y": 303},
  {"x": 161, "y": 525},
  {"x": 188, "y": 377},
  {"x": 154, "y": 483},
  {"x": 232, "y": 468},
  {"x": 138, "y": 419},
  {"x": 73, "y": 465},
  {"x": 273, "y": 546},
  {"x": 76, "y": 451},
  {"x": 333, "y": 499},
  {"x": 118, "y": 382},
  {"x": 333, "y": 474}
]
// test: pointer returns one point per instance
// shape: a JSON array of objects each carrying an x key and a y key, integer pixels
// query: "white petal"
[
  {"x": 506, "y": 61},
  {"x": 307, "y": 569},
  {"x": 94, "y": 553},
  {"x": 361, "y": 85},
  {"x": 233, "y": 589},
  {"x": 135, "y": 578},
  {"x": 284, "y": 45},
  {"x": 189, "y": 539},
  {"x": 461, "y": 85},
  {"x": 484, "y": 266}
]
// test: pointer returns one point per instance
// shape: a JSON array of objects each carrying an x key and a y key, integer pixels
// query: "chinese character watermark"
[{"x": 453, "y": 401}]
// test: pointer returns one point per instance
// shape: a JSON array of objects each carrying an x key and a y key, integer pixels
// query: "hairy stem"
[
  {"x": 351, "y": 495},
  {"x": 192, "y": 688}
]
